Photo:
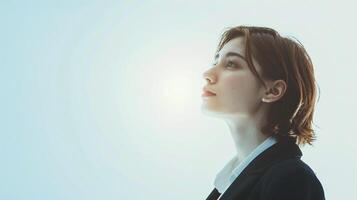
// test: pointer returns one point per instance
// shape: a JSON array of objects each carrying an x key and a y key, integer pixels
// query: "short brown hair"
[{"x": 285, "y": 59}]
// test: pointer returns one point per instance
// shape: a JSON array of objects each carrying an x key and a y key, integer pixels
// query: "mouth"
[{"x": 207, "y": 93}]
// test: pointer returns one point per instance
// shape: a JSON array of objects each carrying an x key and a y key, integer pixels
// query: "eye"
[{"x": 231, "y": 64}]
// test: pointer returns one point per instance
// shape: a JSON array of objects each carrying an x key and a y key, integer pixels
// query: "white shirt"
[{"x": 231, "y": 171}]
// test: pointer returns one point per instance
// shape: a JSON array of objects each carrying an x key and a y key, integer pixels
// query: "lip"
[{"x": 207, "y": 92}]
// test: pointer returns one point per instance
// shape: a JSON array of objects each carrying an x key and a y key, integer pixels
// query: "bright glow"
[
  {"x": 102, "y": 98},
  {"x": 177, "y": 90}
]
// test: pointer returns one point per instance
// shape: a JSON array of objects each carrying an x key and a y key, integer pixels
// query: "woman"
[{"x": 263, "y": 86}]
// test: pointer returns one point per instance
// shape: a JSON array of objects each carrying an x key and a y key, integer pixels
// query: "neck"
[{"x": 246, "y": 136}]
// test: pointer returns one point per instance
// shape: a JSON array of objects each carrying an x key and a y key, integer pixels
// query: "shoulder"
[
  {"x": 291, "y": 179},
  {"x": 290, "y": 166}
]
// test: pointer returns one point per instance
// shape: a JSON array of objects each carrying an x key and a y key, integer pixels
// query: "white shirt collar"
[{"x": 231, "y": 171}]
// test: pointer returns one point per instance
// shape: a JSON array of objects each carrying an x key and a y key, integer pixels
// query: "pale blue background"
[{"x": 101, "y": 99}]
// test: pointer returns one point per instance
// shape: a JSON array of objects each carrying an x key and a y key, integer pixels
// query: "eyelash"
[
  {"x": 232, "y": 63},
  {"x": 229, "y": 62}
]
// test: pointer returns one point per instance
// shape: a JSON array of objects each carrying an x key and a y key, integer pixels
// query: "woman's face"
[{"x": 237, "y": 90}]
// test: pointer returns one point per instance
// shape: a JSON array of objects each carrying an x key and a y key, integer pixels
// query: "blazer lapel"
[
  {"x": 214, "y": 195},
  {"x": 282, "y": 150}
]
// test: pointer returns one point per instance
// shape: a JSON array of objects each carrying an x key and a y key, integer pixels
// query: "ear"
[{"x": 274, "y": 91}]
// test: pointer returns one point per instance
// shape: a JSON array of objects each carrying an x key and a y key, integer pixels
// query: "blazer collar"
[{"x": 282, "y": 150}]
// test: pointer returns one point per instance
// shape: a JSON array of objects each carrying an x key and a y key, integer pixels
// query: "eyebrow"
[{"x": 230, "y": 54}]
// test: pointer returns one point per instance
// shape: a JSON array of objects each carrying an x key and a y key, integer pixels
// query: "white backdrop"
[{"x": 101, "y": 99}]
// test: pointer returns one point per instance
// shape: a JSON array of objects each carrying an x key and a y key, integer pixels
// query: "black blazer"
[{"x": 277, "y": 173}]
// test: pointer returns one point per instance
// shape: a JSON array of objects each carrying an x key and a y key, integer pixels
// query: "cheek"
[
  {"x": 240, "y": 87},
  {"x": 236, "y": 83}
]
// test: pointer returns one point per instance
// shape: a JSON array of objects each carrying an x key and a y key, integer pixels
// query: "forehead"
[{"x": 236, "y": 45}]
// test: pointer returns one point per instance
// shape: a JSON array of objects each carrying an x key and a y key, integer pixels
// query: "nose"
[{"x": 209, "y": 77}]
